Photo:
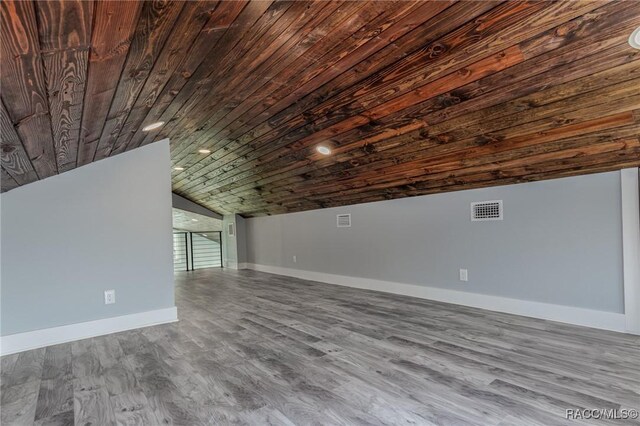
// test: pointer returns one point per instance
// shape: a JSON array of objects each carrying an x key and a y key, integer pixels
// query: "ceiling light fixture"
[
  {"x": 204, "y": 151},
  {"x": 179, "y": 169},
  {"x": 153, "y": 126},
  {"x": 634, "y": 39},
  {"x": 195, "y": 220},
  {"x": 323, "y": 150}
]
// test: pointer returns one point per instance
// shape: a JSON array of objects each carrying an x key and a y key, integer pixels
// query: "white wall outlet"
[
  {"x": 109, "y": 297},
  {"x": 295, "y": 259},
  {"x": 464, "y": 276}
]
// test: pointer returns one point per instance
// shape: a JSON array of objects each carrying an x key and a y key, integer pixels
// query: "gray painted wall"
[
  {"x": 229, "y": 243},
  {"x": 560, "y": 242},
  {"x": 234, "y": 248},
  {"x": 241, "y": 231},
  {"x": 68, "y": 238},
  {"x": 182, "y": 203}
]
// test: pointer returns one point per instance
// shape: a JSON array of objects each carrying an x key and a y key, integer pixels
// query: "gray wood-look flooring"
[{"x": 253, "y": 348}]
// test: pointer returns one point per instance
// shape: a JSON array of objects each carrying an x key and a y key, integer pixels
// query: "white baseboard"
[
  {"x": 567, "y": 314},
  {"x": 243, "y": 265},
  {"x": 67, "y": 333},
  {"x": 230, "y": 264}
]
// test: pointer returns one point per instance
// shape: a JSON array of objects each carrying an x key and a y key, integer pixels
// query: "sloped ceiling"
[{"x": 411, "y": 97}]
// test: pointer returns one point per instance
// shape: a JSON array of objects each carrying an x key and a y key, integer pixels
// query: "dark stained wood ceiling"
[{"x": 412, "y": 97}]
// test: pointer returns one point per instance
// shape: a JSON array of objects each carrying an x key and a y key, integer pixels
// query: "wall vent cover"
[
  {"x": 231, "y": 230},
  {"x": 344, "y": 220},
  {"x": 486, "y": 210}
]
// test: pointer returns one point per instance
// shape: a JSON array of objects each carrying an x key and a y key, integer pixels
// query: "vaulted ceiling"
[{"x": 411, "y": 97}]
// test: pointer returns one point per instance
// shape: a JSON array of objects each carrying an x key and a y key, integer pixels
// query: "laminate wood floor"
[{"x": 254, "y": 348}]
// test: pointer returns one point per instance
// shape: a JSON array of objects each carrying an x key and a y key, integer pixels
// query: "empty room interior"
[{"x": 258, "y": 212}]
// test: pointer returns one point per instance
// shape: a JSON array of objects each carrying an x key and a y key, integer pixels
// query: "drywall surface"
[
  {"x": 179, "y": 202},
  {"x": 560, "y": 242},
  {"x": 234, "y": 247},
  {"x": 68, "y": 238},
  {"x": 241, "y": 239}
]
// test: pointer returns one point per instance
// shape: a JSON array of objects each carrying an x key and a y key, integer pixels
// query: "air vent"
[
  {"x": 486, "y": 210},
  {"x": 344, "y": 220},
  {"x": 231, "y": 229}
]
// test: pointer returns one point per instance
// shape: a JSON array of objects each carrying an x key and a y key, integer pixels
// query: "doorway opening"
[{"x": 197, "y": 241}]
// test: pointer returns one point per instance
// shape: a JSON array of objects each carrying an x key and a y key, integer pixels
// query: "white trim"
[
  {"x": 630, "y": 191},
  {"x": 67, "y": 333},
  {"x": 243, "y": 265},
  {"x": 230, "y": 264},
  {"x": 568, "y": 314}
]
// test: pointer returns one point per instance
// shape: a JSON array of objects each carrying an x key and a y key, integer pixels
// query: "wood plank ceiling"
[{"x": 412, "y": 97}]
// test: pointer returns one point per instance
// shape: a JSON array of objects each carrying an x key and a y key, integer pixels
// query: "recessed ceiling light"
[
  {"x": 323, "y": 150},
  {"x": 195, "y": 220},
  {"x": 152, "y": 126},
  {"x": 178, "y": 168},
  {"x": 634, "y": 39},
  {"x": 204, "y": 151}
]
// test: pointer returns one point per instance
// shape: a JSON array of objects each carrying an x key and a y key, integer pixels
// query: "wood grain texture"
[
  {"x": 189, "y": 25},
  {"x": 412, "y": 97},
  {"x": 112, "y": 32},
  {"x": 14, "y": 159},
  {"x": 23, "y": 84},
  {"x": 154, "y": 26},
  {"x": 254, "y": 348},
  {"x": 7, "y": 181},
  {"x": 65, "y": 34}
]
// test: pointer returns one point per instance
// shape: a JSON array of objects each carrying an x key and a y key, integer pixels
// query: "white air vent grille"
[
  {"x": 231, "y": 229},
  {"x": 486, "y": 210},
  {"x": 344, "y": 220}
]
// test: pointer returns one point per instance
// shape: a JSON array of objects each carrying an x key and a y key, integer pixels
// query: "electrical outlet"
[
  {"x": 295, "y": 259},
  {"x": 109, "y": 297},
  {"x": 464, "y": 276}
]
